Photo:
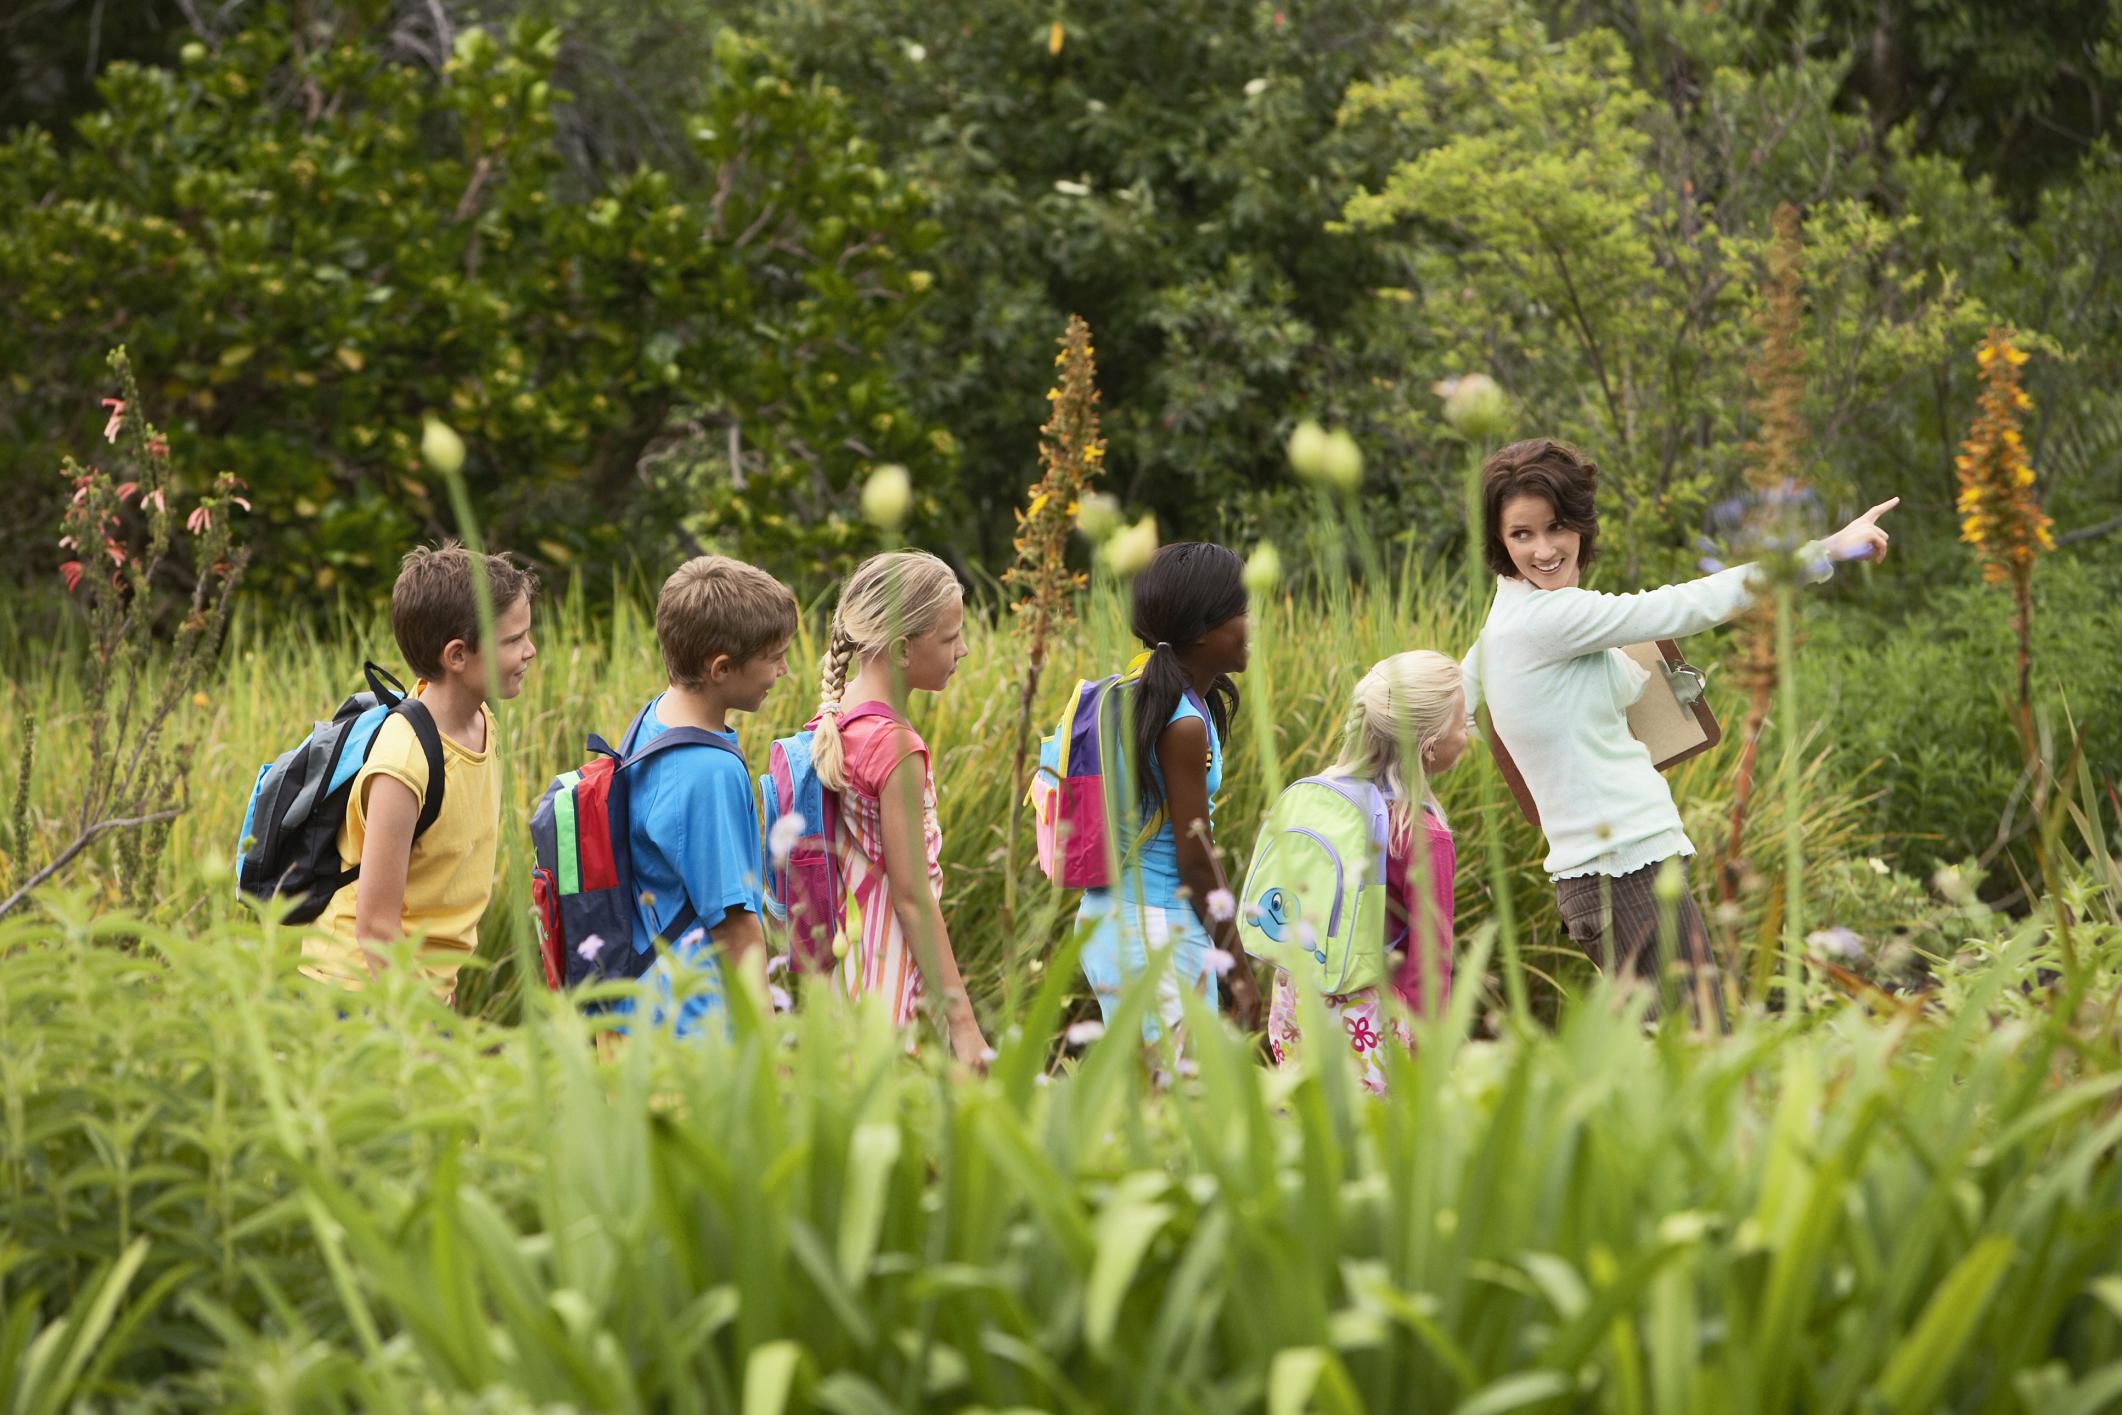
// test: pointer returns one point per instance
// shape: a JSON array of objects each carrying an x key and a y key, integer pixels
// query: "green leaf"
[
  {"x": 1305, "y": 1378},
  {"x": 770, "y": 1376},
  {"x": 1124, "y": 1230},
  {"x": 871, "y": 1153},
  {"x": 1921, "y": 1361}
]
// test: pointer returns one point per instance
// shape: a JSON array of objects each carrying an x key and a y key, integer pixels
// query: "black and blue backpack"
[{"x": 289, "y": 849}]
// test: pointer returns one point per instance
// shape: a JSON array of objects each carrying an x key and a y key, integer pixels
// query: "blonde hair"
[
  {"x": 713, "y": 605},
  {"x": 1402, "y": 703},
  {"x": 900, "y": 593}
]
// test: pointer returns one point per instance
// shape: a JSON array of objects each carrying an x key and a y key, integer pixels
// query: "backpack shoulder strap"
[
  {"x": 684, "y": 737},
  {"x": 633, "y": 730},
  {"x": 872, "y": 708},
  {"x": 422, "y": 722}
]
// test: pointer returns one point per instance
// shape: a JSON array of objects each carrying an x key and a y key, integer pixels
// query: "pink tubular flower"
[
  {"x": 72, "y": 571},
  {"x": 156, "y": 500},
  {"x": 201, "y": 519},
  {"x": 117, "y": 418},
  {"x": 126, "y": 490}
]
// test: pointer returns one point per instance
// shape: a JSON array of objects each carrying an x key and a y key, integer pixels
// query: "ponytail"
[{"x": 1186, "y": 591}]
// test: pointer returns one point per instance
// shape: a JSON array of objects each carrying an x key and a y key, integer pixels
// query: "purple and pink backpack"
[
  {"x": 803, "y": 891},
  {"x": 1069, "y": 794}
]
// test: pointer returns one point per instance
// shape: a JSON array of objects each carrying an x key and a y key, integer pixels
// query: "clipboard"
[{"x": 1670, "y": 717}]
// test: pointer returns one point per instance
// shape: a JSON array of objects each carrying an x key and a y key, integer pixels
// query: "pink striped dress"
[{"x": 878, "y": 959}]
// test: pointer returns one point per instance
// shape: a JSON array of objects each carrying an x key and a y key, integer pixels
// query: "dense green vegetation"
[
  {"x": 682, "y": 278},
  {"x": 623, "y": 247}
]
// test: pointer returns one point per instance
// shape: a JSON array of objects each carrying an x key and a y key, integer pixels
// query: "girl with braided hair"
[{"x": 900, "y": 627}]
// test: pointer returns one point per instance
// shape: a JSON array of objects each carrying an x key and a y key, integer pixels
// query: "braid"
[{"x": 828, "y": 757}]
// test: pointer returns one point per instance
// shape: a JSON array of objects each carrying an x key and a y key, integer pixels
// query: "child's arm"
[
  {"x": 1182, "y": 753},
  {"x": 914, "y": 903},
  {"x": 741, "y": 942},
  {"x": 386, "y": 854}
]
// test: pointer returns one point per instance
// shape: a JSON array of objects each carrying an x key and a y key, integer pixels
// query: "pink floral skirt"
[{"x": 1359, "y": 1016}]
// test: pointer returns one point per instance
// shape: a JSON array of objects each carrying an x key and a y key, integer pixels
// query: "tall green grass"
[
  {"x": 595, "y": 670},
  {"x": 219, "y": 1194}
]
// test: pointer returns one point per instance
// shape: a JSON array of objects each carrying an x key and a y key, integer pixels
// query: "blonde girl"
[
  {"x": 1407, "y": 724},
  {"x": 900, "y": 628}
]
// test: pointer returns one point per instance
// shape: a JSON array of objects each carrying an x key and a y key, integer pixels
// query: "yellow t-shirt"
[{"x": 450, "y": 876}]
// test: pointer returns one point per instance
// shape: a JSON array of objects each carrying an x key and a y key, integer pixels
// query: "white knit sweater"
[{"x": 1549, "y": 665}]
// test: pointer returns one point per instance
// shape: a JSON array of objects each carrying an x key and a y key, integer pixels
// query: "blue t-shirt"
[
  {"x": 693, "y": 827},
  {"x": 1159, "y": 855}
]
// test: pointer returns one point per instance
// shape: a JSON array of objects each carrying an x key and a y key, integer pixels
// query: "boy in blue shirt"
[{"x": 724, "y": 628}]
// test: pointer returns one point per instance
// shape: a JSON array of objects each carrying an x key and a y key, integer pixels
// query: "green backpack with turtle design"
[{"x": 1314, "y": 902}]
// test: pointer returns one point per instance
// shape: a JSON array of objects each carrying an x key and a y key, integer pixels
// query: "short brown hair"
[
  {"x": 714, "y": 605},
  {"x": 1541, "y": 466},
  {"x": 434, "y": 601}
]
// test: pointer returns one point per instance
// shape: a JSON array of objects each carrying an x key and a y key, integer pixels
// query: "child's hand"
[{"x": 968, "y": 1045}]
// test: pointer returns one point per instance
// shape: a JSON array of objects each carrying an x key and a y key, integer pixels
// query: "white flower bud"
[{"x": 885, "y": 497}]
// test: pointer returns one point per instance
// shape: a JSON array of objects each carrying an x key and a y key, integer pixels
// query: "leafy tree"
[
  {"x": 310, "y": 244},
  {"x": 1599, "y": 252}
]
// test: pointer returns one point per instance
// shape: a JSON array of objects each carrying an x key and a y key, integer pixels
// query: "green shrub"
[
  {"x": 308, "y": 244},
  {"x": 1916, "y": 687},
  {"x": 402, "y": 1209}
]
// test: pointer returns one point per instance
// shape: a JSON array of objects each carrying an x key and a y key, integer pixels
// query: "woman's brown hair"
[{"x": 1540, "y": 466}]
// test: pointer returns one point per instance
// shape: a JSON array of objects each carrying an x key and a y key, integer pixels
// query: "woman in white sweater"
[{"x": 1549, "y": 665}]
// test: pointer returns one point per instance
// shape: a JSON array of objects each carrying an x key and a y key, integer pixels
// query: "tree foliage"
[
  {"x": 306, "y": 244},
  {"x": 683, "y": 287}
]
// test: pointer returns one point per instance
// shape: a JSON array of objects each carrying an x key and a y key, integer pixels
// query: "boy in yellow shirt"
[{"x": 432, "y": 884}]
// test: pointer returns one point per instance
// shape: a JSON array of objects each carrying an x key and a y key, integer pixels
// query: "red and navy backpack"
[{"x": 582, "y": 876}]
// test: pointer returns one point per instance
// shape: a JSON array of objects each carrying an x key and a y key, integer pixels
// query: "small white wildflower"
[
  {"x": 1837, "y": 942},
  {"x": 786, "y": 831},
  {"x": 1072, "y": 189},
  {"x": 917, "y": 52},
  {"x": 987, "y": 1056},
  {"x": 1221, "y": 907},
  {"x": 1878, "y": 866},
  {"x": 1219, "y": 961},
  {"x": 590, "y": 947},
  {"x": 693, "y": 939},
  {"x": 1082, "y": 1034},
  {"x": 780, "y": 998},
  {"x": 1255, "y": 87}
]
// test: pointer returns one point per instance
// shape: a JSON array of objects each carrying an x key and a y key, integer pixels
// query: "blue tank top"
[{"x": 1159, "y": 856}]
